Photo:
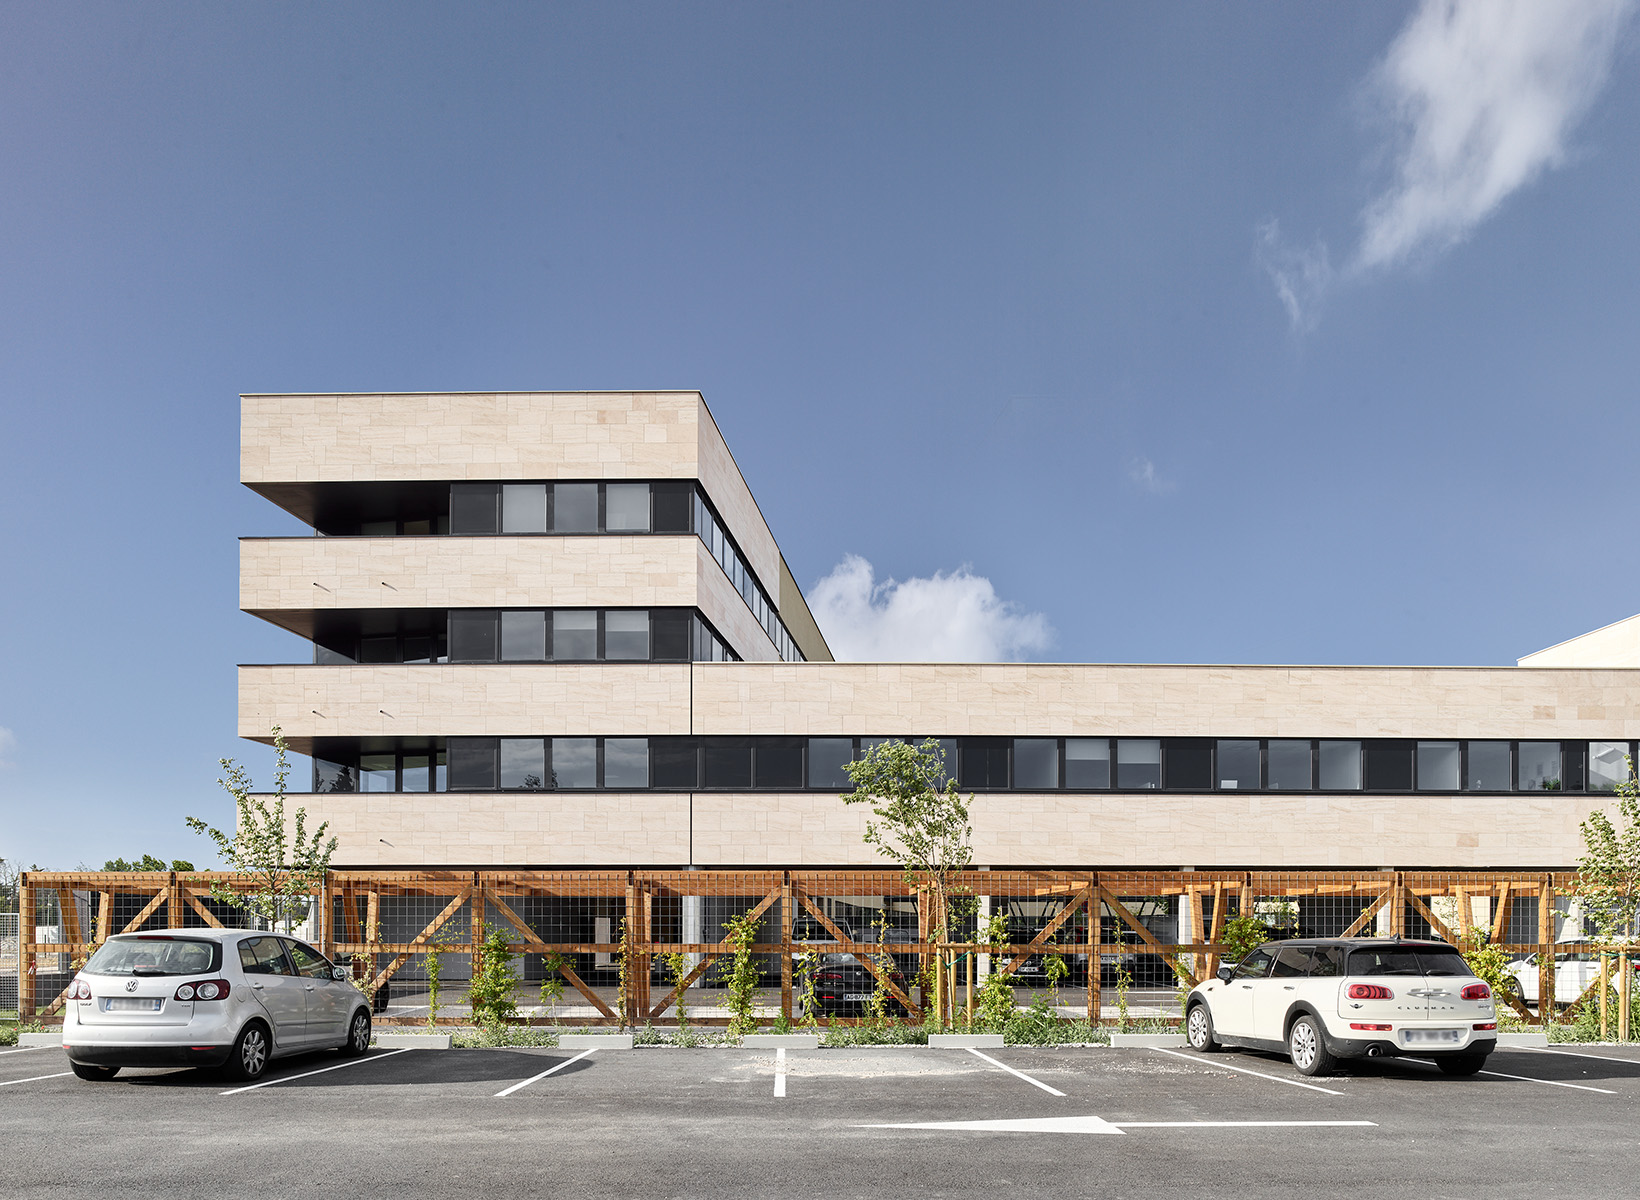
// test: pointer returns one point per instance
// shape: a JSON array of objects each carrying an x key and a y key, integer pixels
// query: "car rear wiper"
[{"x": 149, "y": 971}]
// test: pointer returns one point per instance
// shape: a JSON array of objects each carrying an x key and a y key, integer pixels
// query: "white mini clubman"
[
  {"x": 228, "y": 998},
  {"x": 1324, "y": 1000}
]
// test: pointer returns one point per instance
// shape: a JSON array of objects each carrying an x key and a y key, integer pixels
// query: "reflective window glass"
[
  {"x": 1287, "y": 761},
  {"x": 575, "y": 508},
  {"x": 827, "y": 757},
  {"x": 1036, "y": 763},
  {"x": 669, "y": 635},
  {"x": 379, "y": 650},
  {"x": 1087, "y": 762},
  {"x": 1607, "y": 767},
  {"x": 1238, "y": 768},
  {"x": 575, "y": 635},
  {"x": 378, "y": 773},
  {"x": 473, "y": 507},
  {"x": 574, "y": 762},
  {"x": 1389, "y": 766},
  {"x": 1292, "y": 962},
  {"x": 327, "y": 656},
  {"x": 1437, "y": 766},
  {"x": 626, "y": 635},
  {"x": 728, "y": 762},
  {"x": 379, "y": 528},
  {"x": 523, "y": 763},
  {"x": 471, "y": 764},
  {"x": 1488, "y": 767},
  {"x": 523, "y": 508},
  {"x": 1189, "y": 763},
  {"x": 417, "y": 774},
  {"x": 333, "y": 777},
  {"x": 1138, "y": 763},
  {"x": 672, "y": 763},
  {"x": 1340, "y": 766},
  {"x": 1256, "y": 965},
  {"x": 472, "y": 634},
  {"x": 626, "y": 762},
  {"x": 441, "y": 772},
  {"x": 523, "y": 636},
  {"x": 626, "y": 507},
  {"x": 418, "y": 649},
  {"x": 984, "y": 763},
  {"x": 780, "y": 763},
  {"x": 1539, "y": 766},
  {"x": 672, "y": 505}
]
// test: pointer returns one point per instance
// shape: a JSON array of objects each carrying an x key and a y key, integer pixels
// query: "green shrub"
[{"x": 491, "y": 991}]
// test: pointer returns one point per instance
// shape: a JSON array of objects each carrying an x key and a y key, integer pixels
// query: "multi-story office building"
[{"x": 553, "y": 629}]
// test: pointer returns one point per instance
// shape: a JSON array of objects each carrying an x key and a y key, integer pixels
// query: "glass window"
[
  {"x": 827, "y": 757},
  {"x": 728, "y": 763},
  {"x": 672, "y": 505},
  {"x": 626, "y": 635},
  {"x": 326, "y": 656},
  {"x": 378, "y": 773},
  {"x": 575, "y": 635},
  {"x": 417, "y": 774},
  {"x": 626, "y": 762},
  {"x": 523, "y": 763},
  {"x": 332, "y": 777},
  {"x": 523, "y": 508},
  {"x": 1329, "y": 961},
  {"x": 1239, "y": 765},
  {"x": 1389, "y": 766},
  {"x": 379, "y": 529},
  {"x": 984, "y": 763},
  {"x": 1036, "y": 763},
  {"x": 574, "y": 762},
  {"x": 473, "y": 634},
  {"x": 523, "y": 636},
  {"x": 441, "y": 773},
  {"x": 1255, "y": 966},
  {"x": 263, "y": 956},
  {"x": 1488, "y": 767},
  {"x": 1293, "y": 961},
  {"x": 1607, "y": 765},
  {"x": 575, "y": 508},
  {"x": 780, "y": 763},
  {"x": 379, "y": 650},
  {"x": 1341, "y": 766},
  {"x": 418, "y": 649},
  {"x": 672, "y": 763},
  {"x": 1437, "y": 766},
  {"x": 308, "y": 961},
  {"x": 1539, "y": 766},
  {"x": 1087, "y": 762},
  {"x": 626, "y": 507},
  {"x": 1288, "y": 763},
  {"x": 1138, "y": 763},
  {"x": 473, "y": 507},
  {"x": 669, "y": 635},
  {"x": 472, "y": 764},
  {"x": 1189, "y": 764}
]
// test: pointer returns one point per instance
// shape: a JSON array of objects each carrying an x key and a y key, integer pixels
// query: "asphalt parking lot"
[{"x": 836, "y": 1122}]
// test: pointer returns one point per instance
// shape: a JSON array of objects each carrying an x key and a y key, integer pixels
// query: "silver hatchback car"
[{"x": 229, "y": 998}]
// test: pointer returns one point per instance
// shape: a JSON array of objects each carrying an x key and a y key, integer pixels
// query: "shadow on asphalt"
[{"x": 383, "y": 1069}]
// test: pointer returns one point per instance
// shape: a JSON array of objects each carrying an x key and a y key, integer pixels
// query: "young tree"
[
  {"x": 147, "y": 863},
  {"x": 918, "y": 820},
  {"x": 284, "y": 866},
  {"x": 1608, "y": 874}
]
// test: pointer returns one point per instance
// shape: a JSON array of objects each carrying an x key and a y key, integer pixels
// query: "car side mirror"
[
  {"x": 1225, "y": 972},
  {"x": 340, "y": 974}
]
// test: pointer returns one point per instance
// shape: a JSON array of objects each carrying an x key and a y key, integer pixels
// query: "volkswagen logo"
[{"x": 132, "y": 986}]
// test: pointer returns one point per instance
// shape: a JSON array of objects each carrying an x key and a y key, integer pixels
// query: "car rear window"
[
  {"x": 1408, "y": 960},
  {"x": 156, "y": 954}
]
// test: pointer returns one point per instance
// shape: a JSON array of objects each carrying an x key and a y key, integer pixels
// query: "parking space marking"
[
  {"x": 1088, "y": 1124},
  {"x": 251, "y": 1087},
  {"x": 537, "y": 1078},
  {"x": 1576, "y": 1054},
  {"x": 1314, "y": 1087},
  {"x": 780, "y": 1070},
  {"x": 36, "y": 1078},
  {"x": 27, "y": 1049},
  {"x": 1033, "y": 1082},
  {"x": 1582, "y": 1087},
  {"x": 1235, "y": 1124}
]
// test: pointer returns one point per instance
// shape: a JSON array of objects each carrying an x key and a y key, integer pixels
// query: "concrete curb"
[
  {"x": 595, "y": 1041},
  {"x": 27, "y": 1041},
  {"x": 784, "y": 1041},
  {"x": 1530, "y": 1041},
  {"x": 966, "y": 1041},
  {"x": 1148, "y": 1041},
  {"x": 414, "y": 1041}
]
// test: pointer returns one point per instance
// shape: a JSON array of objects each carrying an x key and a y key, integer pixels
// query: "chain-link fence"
[{"x": 11, "y": 961}]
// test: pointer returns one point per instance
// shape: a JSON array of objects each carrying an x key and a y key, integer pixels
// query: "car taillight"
[
  {"x": 1488, "y": 1025},
  {"x": 1476, "y": 991},
  {"x": 1359, "y": 1025},
  {"x": 1369, "y": 991},
  {"x": 829, "y": 977},
  {"x": 80, "y": 991},
  {"x": 211, "y": 989}
]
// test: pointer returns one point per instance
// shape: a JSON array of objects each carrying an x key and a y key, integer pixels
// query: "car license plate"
[
  {"x": 131, "y": 1003},
  {"x": 856, "y": 997},
  {"x": 1424, "y": 1037}
]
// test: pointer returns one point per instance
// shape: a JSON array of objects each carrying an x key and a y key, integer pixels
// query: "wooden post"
[
  {"x": 1398, "y": 906},
  {"x": 628, "y": 1005},
  {"x": 1622, "y": 996},
  {"x": 1546, "y": 951},
  {"x": 1092, "y": 952},
  {"x": 176, "y": 904},
  {"x": 787, "y": 911},
  {"x": 475, "y": 932},
  {"x": 1603, "y": 998},
  {"x": 25, "y": 950}
]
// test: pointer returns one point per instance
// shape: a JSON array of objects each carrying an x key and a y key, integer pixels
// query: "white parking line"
[
  {"x": 1234, "y": 1124},
  {"x": 536, "y": 1078},
  {"x": 251, "y": 1087},
  {"x": 36, "y": 1079},
  {"x": 1227, "y": 1067},
  {"x": 1575, "y": 1054},
  {"x": 1011, "y": 1071},
  {"x": 780, "y": 1070},
  {"x": 27, "y": 1049},
  {"x": 1582, "y": 1087}
]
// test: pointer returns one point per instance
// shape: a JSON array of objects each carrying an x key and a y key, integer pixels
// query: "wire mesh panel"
[{"x": 11, "y": 962}]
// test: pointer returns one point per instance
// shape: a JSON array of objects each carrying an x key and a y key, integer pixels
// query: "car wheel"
[
  {"x": 250, "y": 1053},
  {"x": 358, "y": 1034},
  {"x": 1198, "y": 1030},
  {"x": 1461, "y": 1064},
  {"x": 99, "y": 1074},
  {"x": 1308, "y": 1049}
]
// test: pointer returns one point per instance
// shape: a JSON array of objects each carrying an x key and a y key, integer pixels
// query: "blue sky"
[{"x": 1178, "y": 333}]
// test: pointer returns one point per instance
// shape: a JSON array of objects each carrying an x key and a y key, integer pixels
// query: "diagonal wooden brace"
[{"x": 868, "y": 960}]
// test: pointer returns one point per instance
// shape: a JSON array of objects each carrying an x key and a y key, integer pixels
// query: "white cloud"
[
  {"x": 1302, "y": 276},
  {"x": 8, "y": 743},
  {"x": 1484, "y": 94},
  {"x": 1142, "y": 473},
  {"x": 956, "y": 617}
]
